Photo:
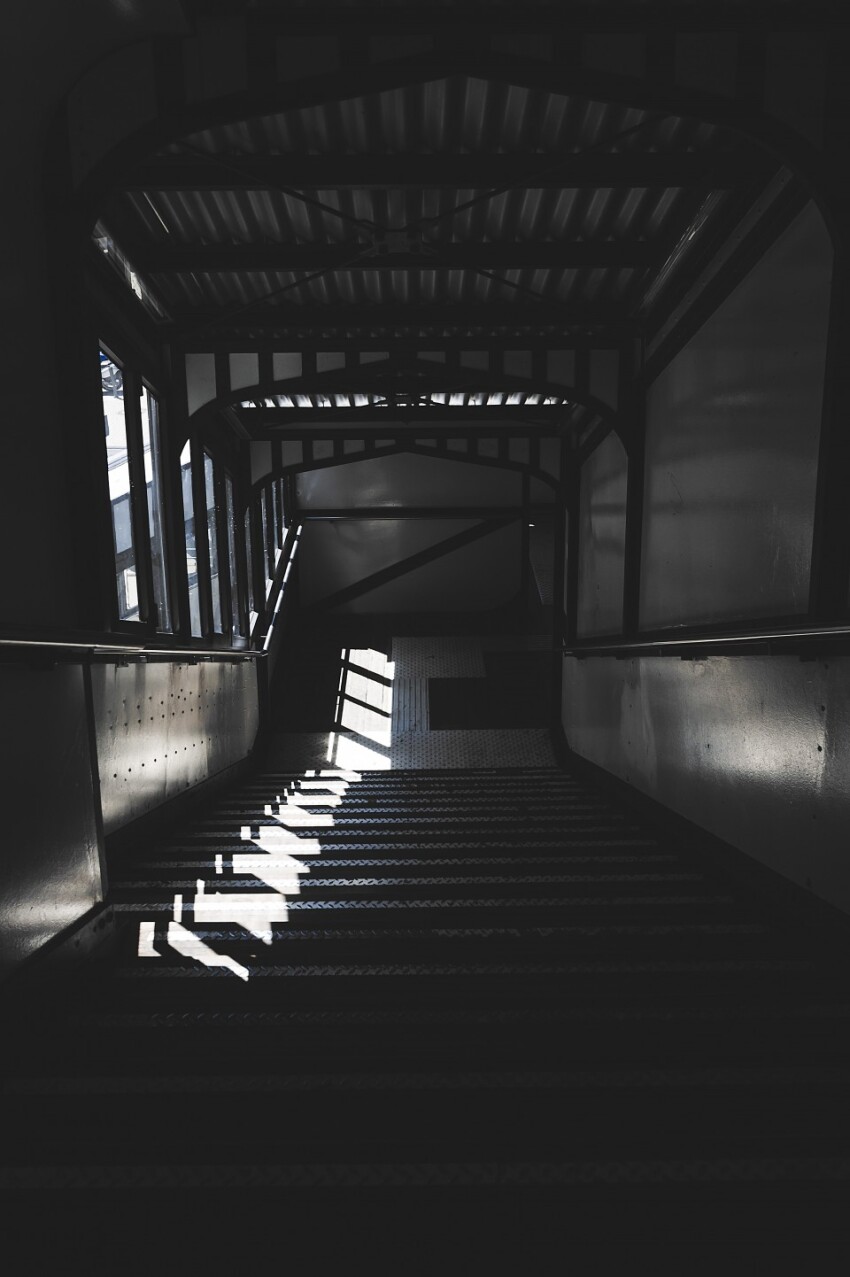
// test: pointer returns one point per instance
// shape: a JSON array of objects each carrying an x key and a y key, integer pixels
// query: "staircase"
[{"x": 386, "y": 1009}]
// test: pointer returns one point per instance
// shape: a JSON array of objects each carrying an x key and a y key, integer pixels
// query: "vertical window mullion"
[{"x": 138, "y": 496}]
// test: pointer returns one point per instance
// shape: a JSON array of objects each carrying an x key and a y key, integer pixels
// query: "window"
[
  {"x": 146, "y": 533},
  {"x": 268, "y": 553},
  {"x": 118, "y": 470},
  {"x": 249, "y": 570},
  {"x": 152, "y": 448},
  {"x": 134, "y": 464},
  {"x": 277, "y": 522},
  {"x": 282, "y": 511},
  {"x": 231, "y": 532},
  {"x": 189, "y": 539},
  {"x": 212, "y": 541}
]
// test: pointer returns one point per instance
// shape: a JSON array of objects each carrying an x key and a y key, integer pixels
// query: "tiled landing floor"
[{"x": 383, "y": 716}]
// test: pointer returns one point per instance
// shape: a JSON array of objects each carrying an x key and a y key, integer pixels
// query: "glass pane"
[
  {"x": 276, "y": 519},
  {"x": 264, "y": 514},
  {"x": 151, "y": 439},
  {"x": 249, "y": 565},
  {"x": 232, "y": 530},
  {"x": 189, "y": 534},
  {"x": 212, "y": 538},
  {"x": 118, "y": 260},
  {"x": 118, "y": 469}
]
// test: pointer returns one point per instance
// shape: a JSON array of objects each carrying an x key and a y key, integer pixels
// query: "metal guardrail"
[
  {"x": 788, "y": 639},
  {"x": 275, "y": 600},
  {"x": 138, "y": 651}
]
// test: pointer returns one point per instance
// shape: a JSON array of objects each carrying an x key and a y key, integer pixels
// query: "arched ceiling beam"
[{"x": 264, "y": 423}]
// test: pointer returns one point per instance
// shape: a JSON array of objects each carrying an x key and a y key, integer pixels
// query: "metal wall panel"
[
  {"x": 50, "y": 863},
  {"x": 753, "y": 749},
  {"x": 602, "y": 539},
  {"x": 261, "y": 459},
  {"x": 200, "y": 380},
  {"x": 405, "y": 480},
  {"x": 337, "y": 553},
  {"x": 162, "y": 728},
  {"x": 732, "y": 444}
]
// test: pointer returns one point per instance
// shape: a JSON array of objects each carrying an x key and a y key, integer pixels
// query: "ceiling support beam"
[
  {"x": 387, "y": 321},
  {"x": 363, "y": 256},
  {"x": 435, "y": 172}
]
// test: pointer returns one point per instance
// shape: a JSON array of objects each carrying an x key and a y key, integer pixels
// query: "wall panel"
[
  {"x": 338, "y": 553},
  {"x": 163, "y": 728},
  {"x": 410, "y": 480},
  {"x": 50, "y": 861},
  {"x": 602, "y": 533},
  {"x": 733, "y": 427},
  {"x": 752, "y": 748}
]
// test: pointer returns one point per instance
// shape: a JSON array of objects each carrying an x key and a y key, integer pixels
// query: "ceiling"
[{"x": 457, "y": 210}]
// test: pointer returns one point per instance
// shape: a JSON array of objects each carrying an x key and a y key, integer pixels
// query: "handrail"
[
  {"x": 98, "y": 647},
  {"x": 731, "y": 642},
  {"x": 283, "y": 571}
]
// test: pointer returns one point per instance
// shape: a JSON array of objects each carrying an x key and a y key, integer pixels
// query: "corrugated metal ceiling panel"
[
  {"x": 364, "y": 288},
  {"x": 455, "y": 114},
  {"x": 523, "y": 215}
]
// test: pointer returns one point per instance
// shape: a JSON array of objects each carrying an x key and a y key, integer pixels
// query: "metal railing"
[
  {"x": 264, "y": 630},
  {"x": 782, "y": 639},
  {"x": 74, "y": 645}
]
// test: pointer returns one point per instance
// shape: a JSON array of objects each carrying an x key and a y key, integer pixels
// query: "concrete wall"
[
  {"x": 754, "y": 749},
  {"x": 148, "y": 732},
  {"x": 164, "y": 727},
  {"x": 50, "y": 872}
]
